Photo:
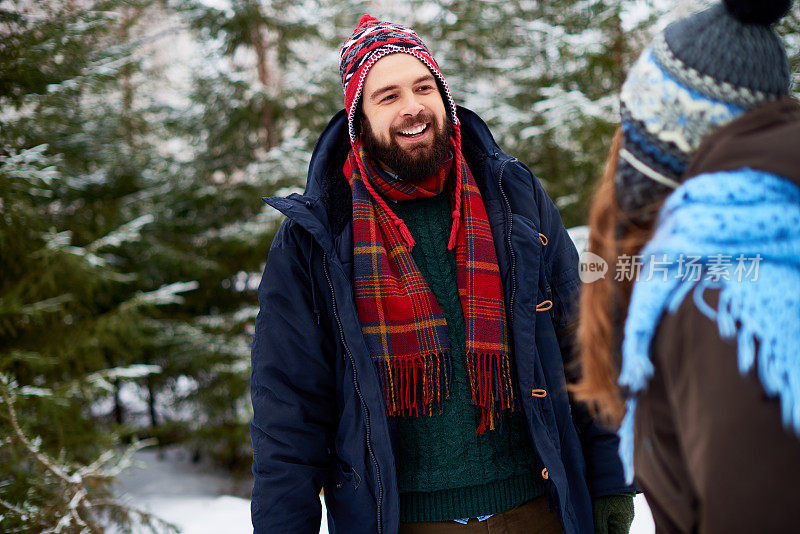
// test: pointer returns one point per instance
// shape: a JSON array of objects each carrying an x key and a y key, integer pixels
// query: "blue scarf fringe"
[{"x": 745, "y": 213}]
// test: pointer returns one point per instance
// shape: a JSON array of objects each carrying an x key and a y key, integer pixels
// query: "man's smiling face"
[{"x": 405, "y": 125}]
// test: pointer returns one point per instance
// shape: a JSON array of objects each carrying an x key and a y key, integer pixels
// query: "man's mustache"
[{"x": 408, "y": 123}]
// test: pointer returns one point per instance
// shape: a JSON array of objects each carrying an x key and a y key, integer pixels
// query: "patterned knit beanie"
[
  {"x": 704, "y": 71},
  {"x": 372, "y": 40}
]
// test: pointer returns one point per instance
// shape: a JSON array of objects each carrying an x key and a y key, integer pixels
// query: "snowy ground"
[
  {"x": 191, "y": 496},
  {"x": 199, "y": 502}
]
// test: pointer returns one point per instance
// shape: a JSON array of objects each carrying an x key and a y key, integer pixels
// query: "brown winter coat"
[{"x": 711, "y": 453}]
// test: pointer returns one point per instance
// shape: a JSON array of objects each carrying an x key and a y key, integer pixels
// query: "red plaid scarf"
[{"x": 405, "y": 330}]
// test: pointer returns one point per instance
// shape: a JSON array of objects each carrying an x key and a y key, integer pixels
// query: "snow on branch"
[
  {"x": 31, "y": 164},
  {"x": 130, "y": 231},
  {"x": 127, "y": 232},
  {"x": 50, "y": 305},
  {"x": 558, "y": 105},
  {"x": 104, "y": 379},
  {"x": 166, "y": 294},
  {"x": 63, "y": 240}
]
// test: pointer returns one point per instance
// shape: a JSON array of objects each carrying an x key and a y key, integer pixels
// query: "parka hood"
[{"x": 766, "y": 139}]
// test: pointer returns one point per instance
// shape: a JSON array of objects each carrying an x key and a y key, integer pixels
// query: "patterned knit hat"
[
  {"x": 372, "y": 40},
  {"x": 704, "y": 71}
]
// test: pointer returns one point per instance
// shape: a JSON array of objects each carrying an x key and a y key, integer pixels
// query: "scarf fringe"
[
  {"x": 415, "y": 385},
  {"x": 419, "y": 385},
  {"x": 492, "y": 387}
]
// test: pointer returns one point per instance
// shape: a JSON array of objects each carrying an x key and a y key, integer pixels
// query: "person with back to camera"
[{"x": 700, "y": 350}]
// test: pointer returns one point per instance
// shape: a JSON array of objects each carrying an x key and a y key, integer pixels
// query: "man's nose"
[{"x": 411, "y": 106}]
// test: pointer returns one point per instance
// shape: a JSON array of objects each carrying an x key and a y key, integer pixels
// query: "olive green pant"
[{"x": 533, "y": 517}]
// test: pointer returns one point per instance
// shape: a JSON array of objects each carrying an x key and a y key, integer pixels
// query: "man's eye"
[
  {"x": 388, "y": 98},
  {"x": 424, "y": 88}
]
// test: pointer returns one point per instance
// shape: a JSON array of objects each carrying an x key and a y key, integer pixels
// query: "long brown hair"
[{"x": 604, "y": 303}]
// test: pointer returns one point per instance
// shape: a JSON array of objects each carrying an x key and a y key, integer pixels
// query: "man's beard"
[{"x": 409, "y": 167}]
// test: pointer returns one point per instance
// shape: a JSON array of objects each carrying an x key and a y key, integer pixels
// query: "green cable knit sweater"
[{"x": 447, "y": 471}]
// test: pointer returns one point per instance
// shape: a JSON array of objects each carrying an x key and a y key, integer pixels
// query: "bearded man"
[{"x": 410, "y": 352}]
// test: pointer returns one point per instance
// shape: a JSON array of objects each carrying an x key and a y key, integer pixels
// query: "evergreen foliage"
[
  {"x": 136, "y": 139},
  {"x": 71, "y": 305},
  {"x": 545, "y": 75}
]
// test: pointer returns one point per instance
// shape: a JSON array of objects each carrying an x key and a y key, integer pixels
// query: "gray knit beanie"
[{"x": 702, "y": 72}]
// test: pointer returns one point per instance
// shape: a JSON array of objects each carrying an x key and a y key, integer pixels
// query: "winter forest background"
[{"x": 137, "y": 138}]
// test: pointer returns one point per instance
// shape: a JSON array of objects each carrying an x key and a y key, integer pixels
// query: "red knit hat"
[{"x": 372, "y": 40}]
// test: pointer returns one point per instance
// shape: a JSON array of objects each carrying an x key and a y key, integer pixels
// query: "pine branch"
[
  {"x": 25, "y": 442},
  {"x": 12, "y": 507},
  {"x": 81, "y": 510}
]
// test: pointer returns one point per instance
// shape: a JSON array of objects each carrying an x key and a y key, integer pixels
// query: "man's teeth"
[{"x": 415, "y": 130}]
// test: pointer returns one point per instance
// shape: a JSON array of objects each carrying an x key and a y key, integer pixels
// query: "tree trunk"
[
  {"x": 151, "y": 404},
  {"x": 126, "y": 83},
  {"x": 268, "y": 75},
  {"x": 119, "y": 416}
]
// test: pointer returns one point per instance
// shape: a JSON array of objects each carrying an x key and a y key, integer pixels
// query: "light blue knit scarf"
[{"x": 743, "y": 213}]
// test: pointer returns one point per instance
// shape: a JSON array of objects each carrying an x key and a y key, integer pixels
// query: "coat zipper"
[
  {"x": 358, "y": 392},
  {"x": 508, "y": 242}
]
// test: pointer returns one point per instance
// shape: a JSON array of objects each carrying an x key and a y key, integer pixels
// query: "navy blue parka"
[{"x": 319, "y": 416}]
